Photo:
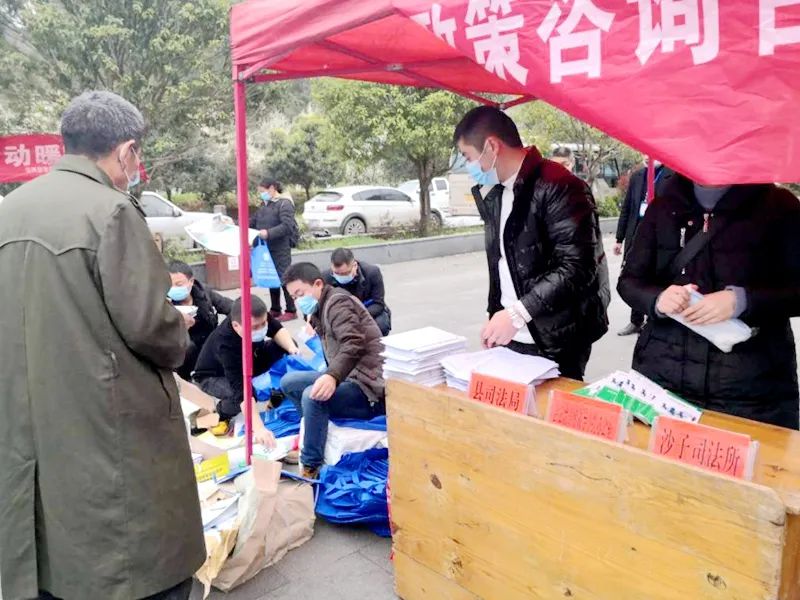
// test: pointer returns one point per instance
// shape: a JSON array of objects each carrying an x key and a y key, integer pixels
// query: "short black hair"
[
  {"x": 562, "y": 152},
  {"x": 305, "y": 271},
  {"x": 178, "y": 266},
  {"x": 483, "y": 121},
  {"x": 257, "y": 309},
  {"x": 342, "y": 256},
  {"x": 268, "y": 182}
]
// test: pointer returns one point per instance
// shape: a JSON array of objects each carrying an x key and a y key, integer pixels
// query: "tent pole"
[
  {"x": 242, "y": 191},
  {"x": 651, "y": 179}
]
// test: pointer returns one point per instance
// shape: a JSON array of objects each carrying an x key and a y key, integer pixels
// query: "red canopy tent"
[{"x": 709, "y": 88}]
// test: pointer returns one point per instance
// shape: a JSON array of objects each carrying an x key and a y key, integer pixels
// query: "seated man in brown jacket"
[{"x": 353, "y": 386}]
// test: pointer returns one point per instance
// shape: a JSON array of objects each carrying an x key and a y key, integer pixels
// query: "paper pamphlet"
[{"x": 218, "y": 234}]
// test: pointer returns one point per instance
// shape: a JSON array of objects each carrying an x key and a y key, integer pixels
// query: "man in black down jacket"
[
  {"x": 631, "y": 214},
  {"x": 187, "y": 291},
  {"x": 548, "y": 276},
  {"x": 749, "y": 268}
]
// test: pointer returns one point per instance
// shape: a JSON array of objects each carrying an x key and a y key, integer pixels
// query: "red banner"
[{"x": 25, "y": 157}]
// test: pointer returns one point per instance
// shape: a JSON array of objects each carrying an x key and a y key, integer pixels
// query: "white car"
[
  {"x": 439, "y": 191},
  {"x": 167, "y": 219},
  {"x": 356, "y": 210}
]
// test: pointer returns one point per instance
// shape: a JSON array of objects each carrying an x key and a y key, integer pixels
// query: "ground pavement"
[{"x": 341, "y": 563}]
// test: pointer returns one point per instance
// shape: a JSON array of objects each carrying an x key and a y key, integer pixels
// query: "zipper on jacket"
[{"x": 707, "y": 221}]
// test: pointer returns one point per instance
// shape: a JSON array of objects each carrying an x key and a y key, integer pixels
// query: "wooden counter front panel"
[{"x": 497, "y": 506}]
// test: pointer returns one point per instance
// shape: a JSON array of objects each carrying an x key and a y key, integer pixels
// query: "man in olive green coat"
[{"x": 97, "y": 494}]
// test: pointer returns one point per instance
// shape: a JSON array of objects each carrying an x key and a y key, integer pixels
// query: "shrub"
[{"x": 608, "y": 206}]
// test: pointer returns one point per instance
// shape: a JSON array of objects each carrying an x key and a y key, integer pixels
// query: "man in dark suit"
[
  {"x": 362, "y": 280},
  {"x": 631, "y": 213}
]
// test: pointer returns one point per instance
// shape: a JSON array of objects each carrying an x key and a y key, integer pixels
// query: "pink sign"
[{"x": 25, "y": 157}]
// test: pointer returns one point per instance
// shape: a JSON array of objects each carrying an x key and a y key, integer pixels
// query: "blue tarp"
[{"x": 354, "y": 491}]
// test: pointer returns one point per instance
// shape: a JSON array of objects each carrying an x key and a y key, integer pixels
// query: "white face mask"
[{"x": 259, "y": 335}]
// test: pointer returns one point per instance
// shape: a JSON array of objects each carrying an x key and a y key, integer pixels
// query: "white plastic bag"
[{"x": 723, "y": 335}]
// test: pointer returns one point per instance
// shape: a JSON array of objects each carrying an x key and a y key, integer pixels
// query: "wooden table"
[{"x": 487, "y": 504}]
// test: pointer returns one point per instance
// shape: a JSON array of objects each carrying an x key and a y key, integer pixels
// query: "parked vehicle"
[
  {"x": 167, "y": 219},
  {"x": 439, "y": 191},
  {"x": 357, "y": 210}
]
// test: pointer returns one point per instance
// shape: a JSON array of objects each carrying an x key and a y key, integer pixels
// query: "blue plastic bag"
[
  {"x": 262, "y": 267},
  {"x": 354, "y": 491},
  {"x": 271, "y": 380},
  {"x": 318, "y": 360}
]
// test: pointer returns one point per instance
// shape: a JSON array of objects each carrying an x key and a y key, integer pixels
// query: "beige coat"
[{"x": 97, "y": 493}]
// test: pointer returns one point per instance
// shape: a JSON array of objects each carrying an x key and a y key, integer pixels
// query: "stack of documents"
[
  {"x": 416, "y": 355},
  {"x": 218, "y": 514},
  {"x": 498, "y": 362}
]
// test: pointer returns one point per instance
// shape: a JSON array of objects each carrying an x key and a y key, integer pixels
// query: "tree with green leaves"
[
  {"x": 168, "y": 58},
  {"x": 381, "y": 122},
  {"x": 304, "y": 156},
  {"x": 544, "y": 125}
]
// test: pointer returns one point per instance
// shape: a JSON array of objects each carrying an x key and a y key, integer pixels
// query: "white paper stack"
[
  {"x": 497, "y": 362},
  {"x": 416, "y": 355},
  {"x": 218, "y": 513}
]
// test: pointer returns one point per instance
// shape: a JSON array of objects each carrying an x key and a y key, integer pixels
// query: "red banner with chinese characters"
[
  {"x": 26, "y": 156},
  {"x": 709, "y": 87}
]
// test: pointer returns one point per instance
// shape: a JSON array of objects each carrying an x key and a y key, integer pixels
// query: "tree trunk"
[
  {"x": 307, "y": 188},
  {"x": 169, "y": 193},
  {"x": 425, "y": 175}
]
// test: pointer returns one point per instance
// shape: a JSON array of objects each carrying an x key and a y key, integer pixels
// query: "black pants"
[
  {"x": 185, "y": 370},
  {"x": 571, "y": 364},
  {"x": 384, "y": 322},
  {"x": 230, "y": 403},
  {"x": 275, "y": 297},
  {"x": 182, "y": 591}
]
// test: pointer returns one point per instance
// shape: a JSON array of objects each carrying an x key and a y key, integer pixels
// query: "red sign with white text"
[{"x": 25, "y": 157}]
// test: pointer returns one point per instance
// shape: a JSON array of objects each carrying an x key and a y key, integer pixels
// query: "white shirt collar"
[{"x": 509, "y": 183}]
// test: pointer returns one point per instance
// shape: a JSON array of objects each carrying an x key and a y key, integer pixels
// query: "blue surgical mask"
[
  {"x": 266, "y": 196},
  {"x": 480, "y": 176},
  {"x": 178, "y": 293},
  {"x": 137, "y": 176},
  {"x": 259, "y": 335},
  {"x": 343, "y": 279},
  {"x": 308, "y": 304}
]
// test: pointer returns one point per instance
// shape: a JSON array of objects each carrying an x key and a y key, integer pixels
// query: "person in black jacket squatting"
[
  {"x": 548, "y": 275},
  {"x": 747, "y": 265}
]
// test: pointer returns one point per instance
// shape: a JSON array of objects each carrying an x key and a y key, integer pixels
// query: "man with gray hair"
[{"x": 97, "y": 492}]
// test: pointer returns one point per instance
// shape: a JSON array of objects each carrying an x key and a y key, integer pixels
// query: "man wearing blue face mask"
[
  {"x": 548, "y": 277},
  {"x": 186, "y": 291},
  {"x": 352, "y": 387},
  {"x": 219, "y": 368},
  {"x": 362, "y": 280}
]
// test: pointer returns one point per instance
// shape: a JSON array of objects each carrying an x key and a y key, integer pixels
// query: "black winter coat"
[
  {"x": 367, "y": 287},
  {"x": 756, "y": 246},
  {"x": 554, "y": 250},
  {"x": 277, "y": 217},
  {"x": 629, "y": 211},
  {"x": 210, "y": 305}
]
